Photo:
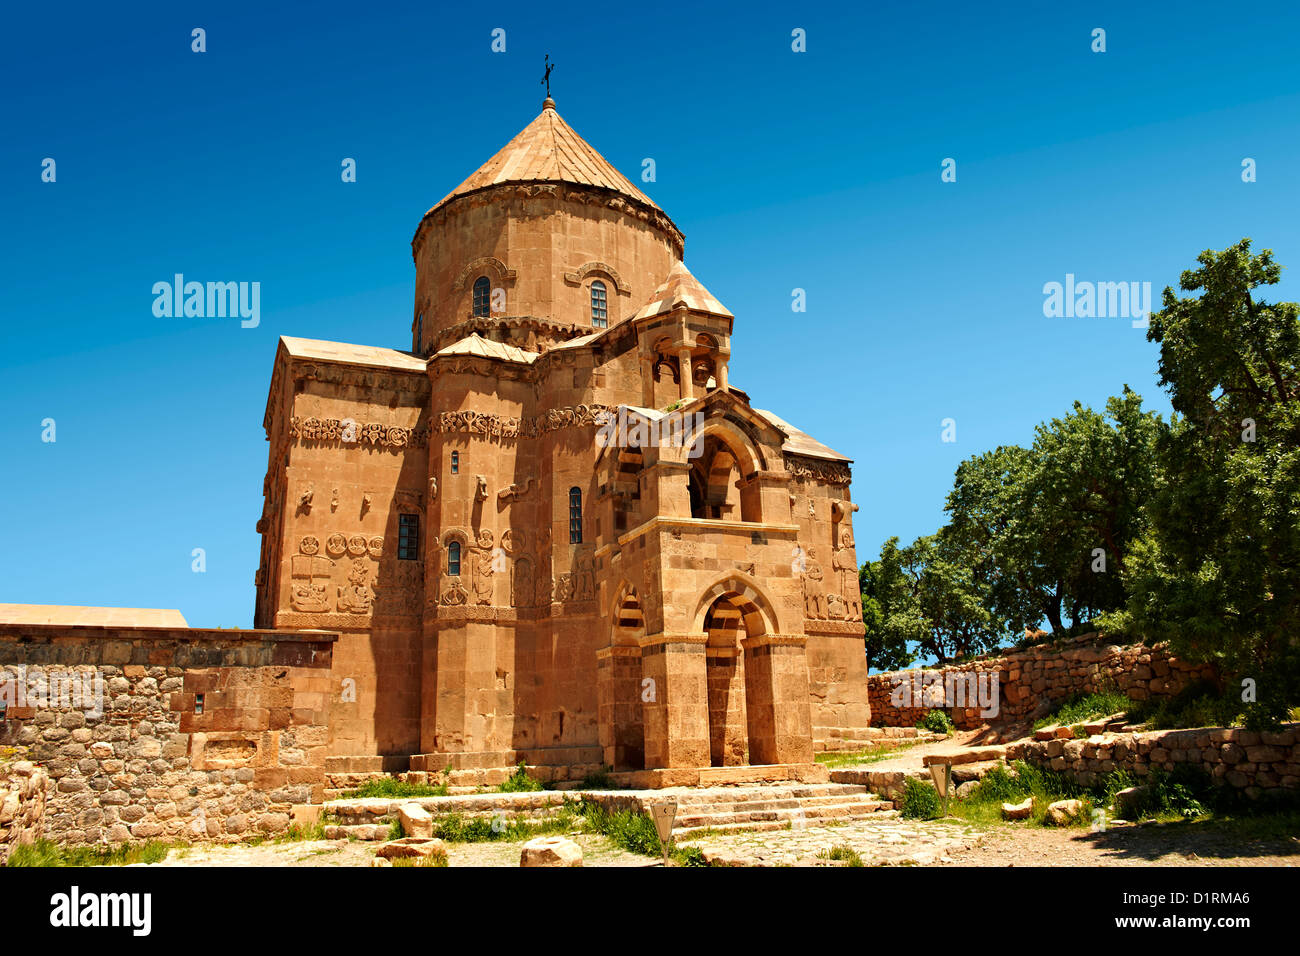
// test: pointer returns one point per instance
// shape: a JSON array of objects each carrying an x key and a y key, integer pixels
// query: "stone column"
[
  {"x": 688, "y": 381},
  {"x": 777, "y": 699},
  {"x": 618, "y": 703},
  {"x": 675, "y": 705}
]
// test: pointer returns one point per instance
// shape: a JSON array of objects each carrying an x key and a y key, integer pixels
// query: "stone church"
[{"x": 520, "y": 565}]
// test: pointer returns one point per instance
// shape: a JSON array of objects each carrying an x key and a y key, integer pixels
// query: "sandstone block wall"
[
  {"x": 1254, "y": 763},
  {"x": 1031, "y": 682},
  {"x": 22, "y": 803},
  {"x": 202, "y": 735}
]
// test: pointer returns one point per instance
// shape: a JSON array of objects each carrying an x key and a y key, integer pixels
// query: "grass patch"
[
  {"x": 394, "y": 789},
  {"x": 920, "y": 800},
  {"x": 49, "y": 853},
  {"x": 520, "y": 782},
  {"x": 1085, "y": 707},
  {"x": 636, "y": 833},
  {"x": 1012, "y": 785},
  {"x": 873, "y": 754},
  {"x": 845, "y": 853},
  {"x": 599, "y": 780},
  {"x": 1198, "y": 705},
  {"x": 296, "y": 833},
  {"x": 936, "y": 721},
  {"x": 433, "y": 859}
]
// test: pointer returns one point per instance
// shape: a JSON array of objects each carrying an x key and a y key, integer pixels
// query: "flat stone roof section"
[
  {"x": 72, "y": 615},
  {"x": 352, "y": 354}
]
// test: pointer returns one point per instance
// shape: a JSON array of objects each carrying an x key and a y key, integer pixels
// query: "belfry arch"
[{"x": 723, "y": 463}]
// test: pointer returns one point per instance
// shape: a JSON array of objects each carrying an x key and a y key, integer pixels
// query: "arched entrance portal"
[{"x": 738, "y": 734}]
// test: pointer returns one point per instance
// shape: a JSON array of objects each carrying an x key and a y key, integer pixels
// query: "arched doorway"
[
  {"x": 742, "y": 728},
  {"x": 725, "y": 679}
]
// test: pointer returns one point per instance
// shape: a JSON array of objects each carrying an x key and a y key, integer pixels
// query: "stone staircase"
[
  {"x": 771, "y": 807},
  {"x": 700, "y": 810}
]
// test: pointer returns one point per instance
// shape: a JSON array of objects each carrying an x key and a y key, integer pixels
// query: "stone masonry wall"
[
  {"x": 203, "y": 734},
  {"x": 1032, "y": 681},
  {"x": 22, "y": 802},
  {"x": 1252, "y": 762}
]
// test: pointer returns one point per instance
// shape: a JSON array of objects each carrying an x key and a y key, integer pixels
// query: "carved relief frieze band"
[
  {"x": 347, "y": 432},
  {"x": 500, "y": 426},
  {"x": 817, "y": 469}
]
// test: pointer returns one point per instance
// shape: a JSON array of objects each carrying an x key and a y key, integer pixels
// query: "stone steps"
[
  {"x": 714, "y": 808},
  {"x": 782, "y": 815}
]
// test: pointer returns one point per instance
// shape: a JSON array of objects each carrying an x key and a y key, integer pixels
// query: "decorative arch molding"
[
  {"x": 746, "y": 593},
  {"x": 601, "y": 270},
  {"x": 742, "y": 445},
  {"x": 484, "y": 265}
]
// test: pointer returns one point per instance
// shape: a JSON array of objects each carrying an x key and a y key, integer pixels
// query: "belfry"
[{"x": 516, "y": 571}]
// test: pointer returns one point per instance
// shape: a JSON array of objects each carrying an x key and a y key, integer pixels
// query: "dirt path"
[{"x": 1148, "y": 844}]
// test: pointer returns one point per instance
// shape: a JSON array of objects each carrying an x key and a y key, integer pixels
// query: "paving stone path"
[{"x": 884, "y": 842}]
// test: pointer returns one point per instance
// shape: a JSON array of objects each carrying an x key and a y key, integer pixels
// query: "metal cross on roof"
[{"x": 547, "y": 78}]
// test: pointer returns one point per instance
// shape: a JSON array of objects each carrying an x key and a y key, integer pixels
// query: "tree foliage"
[{"x": 1219, "y": 572}]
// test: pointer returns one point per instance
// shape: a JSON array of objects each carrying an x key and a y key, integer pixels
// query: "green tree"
[
  {"x": 950, "y": 598},
  {"x": 889, "y": 610},
  {"x": 1219, "y": 572}
]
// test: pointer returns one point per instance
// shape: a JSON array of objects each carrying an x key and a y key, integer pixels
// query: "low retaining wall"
[
  {"x": 1255, "y": 763},
  {"x": 22, "y": 803},
  {"x": 1031, "y": 682},
  {"x": 197, "y": 734}
]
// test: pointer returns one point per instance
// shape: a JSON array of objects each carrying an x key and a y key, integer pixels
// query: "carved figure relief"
[
  {"x": 584, "y": 577},
  {"x": 481, "y": 492},
  {"x": 814, "y": 591},
  {"x": 304, "y": 499},
  {"x": 335, "y": 545},
  {"x": 375, "y": 547},
  {"x": 485, "y": 539},
  {"x": 512, "y": 541},
  {"x": 545, "y": 588},
  {"x": 452, "y": 594},
  {"x": 522, "y": 588},
  {"x": 433, "y": 489},
  {"x": 308, "y": 596},
  {"x": 357, "y": 596},
  {"x": 514, "y": 492},
  {"x": 310, "y": 544},
  {"x": 357, "y": 545},
  {"x": 484, "y": 568}
]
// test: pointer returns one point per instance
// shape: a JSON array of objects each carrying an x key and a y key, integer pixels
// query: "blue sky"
[{"x": 817, "y": 170}]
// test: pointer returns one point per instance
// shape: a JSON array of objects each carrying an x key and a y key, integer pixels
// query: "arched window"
[
  {"x": 482, "y": 296},
  {"x": 599, "y": 305},
  {"x": 455, "y": 463},
  {"x": 453, "y": 558},
  {"x": 419, "y": 331},
  {"x": 575, "y": 516}
]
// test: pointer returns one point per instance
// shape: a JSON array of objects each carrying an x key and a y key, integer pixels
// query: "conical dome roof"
[
  {"x": 681, "y": 290},
  {"x": 548, "y": 150}
]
